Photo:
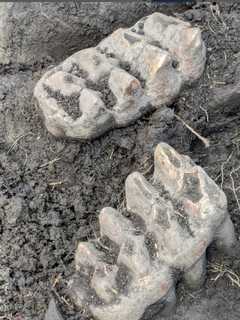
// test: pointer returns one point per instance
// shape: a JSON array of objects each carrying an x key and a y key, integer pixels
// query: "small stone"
[{"x": 53, "y": 312}]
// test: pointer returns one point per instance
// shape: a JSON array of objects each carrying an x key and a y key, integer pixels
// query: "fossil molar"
[
  {"x": 170, "y": 222},
  {"x": 129, "y": 73}
]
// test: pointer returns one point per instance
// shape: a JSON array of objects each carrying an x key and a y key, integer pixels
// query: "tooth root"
[
  {"x": 225, "y": 235},
  {"x": 80, "y": 291},
  {"x": 147, "y": 262},
  {"x": 195, "y": 276},
  {"x": 142, "y": 294},
  {"x": 114, "y": 226},
  {"x": 134, "y": 255},
  {"x": 87, "y": 255},
  {"x": 169, "y": 303},
  {"x": 104, "y": 281},
  {"x": 139, "y": 196}
]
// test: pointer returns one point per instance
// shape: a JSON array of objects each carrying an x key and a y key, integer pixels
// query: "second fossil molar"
[{"x": 171, "y": 221}]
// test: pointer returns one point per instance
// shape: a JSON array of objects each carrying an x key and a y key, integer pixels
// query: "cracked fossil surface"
[
  {"x": 131, "y": 72},
  {"x": 162, "y": 236}
]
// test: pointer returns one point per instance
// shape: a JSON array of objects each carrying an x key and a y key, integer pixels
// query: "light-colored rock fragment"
[
  {"x": 171, "y": 221},
  {"x": 53, "y": 312},
  {"x": 131, "y": 72}
]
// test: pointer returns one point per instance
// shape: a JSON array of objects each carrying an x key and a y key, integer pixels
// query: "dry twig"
[
  {"x": 50, "y": 162},
  {"x": 222, "y": 168},
  {"x": 17, "y": 140},
  {"x": 234, "y": 188},
  {"x": 222, "y": 271},
  {"x": 204, "y": 140}
]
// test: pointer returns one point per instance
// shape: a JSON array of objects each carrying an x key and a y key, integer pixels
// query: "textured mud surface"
[{"x": 51, "y": 190}]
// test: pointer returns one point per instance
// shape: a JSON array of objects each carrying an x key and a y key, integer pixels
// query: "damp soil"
[{"x": 51, "y": 190}]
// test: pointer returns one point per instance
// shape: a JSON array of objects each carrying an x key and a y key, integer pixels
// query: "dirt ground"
[{"x": 51, "y": 191}]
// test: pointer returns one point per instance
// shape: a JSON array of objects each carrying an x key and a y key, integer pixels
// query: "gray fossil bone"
[
  {"x": 130, "y": 72},
  {"x": 171, "y": 221}
]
